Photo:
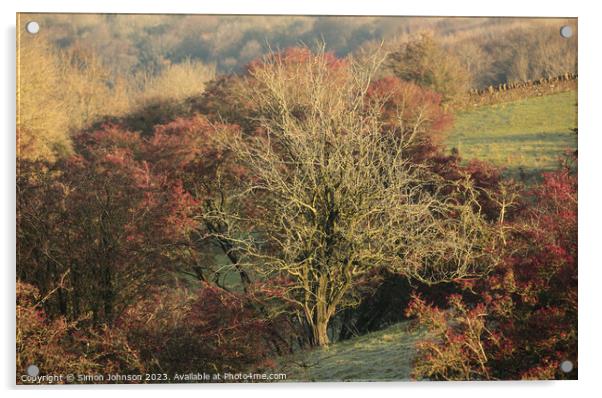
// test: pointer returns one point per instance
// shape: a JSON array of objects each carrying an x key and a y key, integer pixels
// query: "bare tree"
[{"x": 335, "y": 196}]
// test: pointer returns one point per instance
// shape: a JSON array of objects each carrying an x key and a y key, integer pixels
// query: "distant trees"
[
  {"x": 58, "y": 94},
  {"x": 42, "y": 117},
  {"x": 61, "y": 92},
  {"x": 336, "y": 193},
  {"x": 424, "y": 61},
  {"x": 134, "y": 44},
  {"x": 518, "y": 52},
  {"x": 175, "y": 82}
]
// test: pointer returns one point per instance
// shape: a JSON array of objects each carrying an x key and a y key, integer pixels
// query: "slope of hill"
[
  {"x": 531, "y": 134},
  {"x": 385, "y": 355}
]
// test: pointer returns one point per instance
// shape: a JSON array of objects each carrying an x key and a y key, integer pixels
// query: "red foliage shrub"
[
  {"x": 185, "y": 150},
  {"x": 296, "y": 56},
  {"x": 102, "y": 224},
  {"x": 59, "y": 347},
  {"x": 456, "y": 350},
  {"x": 528, "y": 304},
  {"x": 211, "y": 331},
  {"x": 419, "y": 109},
  {"x": 236, "y": 328}
]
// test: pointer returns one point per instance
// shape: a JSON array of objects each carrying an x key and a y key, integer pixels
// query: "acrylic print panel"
[{"x": 214, "y": 198}]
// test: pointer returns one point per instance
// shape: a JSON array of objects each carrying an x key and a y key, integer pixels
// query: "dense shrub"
[
  {"x": 60, "y": 347},
  {"x": 410, "y": 110},
  {"x": 453, "y": 352},
  {"x": 110, "y": 237},
  {"x": 101, "y": 225},
  {"x": 170, "y": 330},
  {"x": 212, "y": 330},
  {"x": 41, "y": 135},
  {"x": 523, "y": 316},
  {"x": 423, "y": 61}
]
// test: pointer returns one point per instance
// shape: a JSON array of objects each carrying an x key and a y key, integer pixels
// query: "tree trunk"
[
  {"x": 107, "y": 294},
  {"x": 323, "y": 312},
  {"x": 320, "y": 333}
]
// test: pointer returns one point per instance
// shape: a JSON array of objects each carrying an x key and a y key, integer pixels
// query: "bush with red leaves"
[
  {"x": 211, "y": 331},
  {"x": 420, "y": 109},
  {"x": 100, "y": 225},
  {"x": 59, "y": 347},
  {"x": 521, "y": 321}
]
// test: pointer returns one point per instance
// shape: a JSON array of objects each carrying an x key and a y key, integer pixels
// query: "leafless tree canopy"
[{"x": 337, "y": 196}]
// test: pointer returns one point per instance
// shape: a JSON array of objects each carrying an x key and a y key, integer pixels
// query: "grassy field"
[
  {"x": 385, "y": 355},
  {"x": 529, "y": 134}
]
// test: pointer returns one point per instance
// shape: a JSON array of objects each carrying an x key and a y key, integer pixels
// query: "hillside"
[
  {"x": 385, "y": 355},
  {"x": 150, "y": 43},
  {"x": 530, "y": 134}
]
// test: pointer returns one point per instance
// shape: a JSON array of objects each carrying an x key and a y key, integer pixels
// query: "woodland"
[{"x": 219, "y": 194}]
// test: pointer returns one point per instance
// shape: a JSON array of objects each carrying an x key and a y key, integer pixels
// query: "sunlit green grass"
[
  {"x": 530, "y": 134},
  {"x": 378, "y": 356}
]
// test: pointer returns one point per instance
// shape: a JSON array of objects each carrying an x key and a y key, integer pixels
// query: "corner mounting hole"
[
  {"x": 566, "y": 366},
  {"x": 33, "y": 370},
  {"x": 32, "y": 27},
  {"x": 566, "y": 31}
]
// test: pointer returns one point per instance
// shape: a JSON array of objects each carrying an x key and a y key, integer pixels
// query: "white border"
[{"x": 590, "y": 147}]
